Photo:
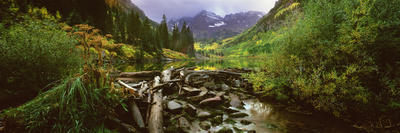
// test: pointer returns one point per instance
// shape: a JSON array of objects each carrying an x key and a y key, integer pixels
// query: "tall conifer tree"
[
  {"x": 147, "y": 35},
  {"x": 163, "y": 29},
  {"x": 175, "y": 37},
  {"x": 134, "y": 29}
]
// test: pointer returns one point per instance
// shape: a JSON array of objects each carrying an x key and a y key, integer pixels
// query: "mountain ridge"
[
  {"x": 210, "y": 25},
  {"x": 128, "y": 6}
]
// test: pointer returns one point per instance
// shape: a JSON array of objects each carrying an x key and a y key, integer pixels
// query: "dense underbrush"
[
  {"x": 340, "y": 57},
  {"x": 37, "y": 51}
]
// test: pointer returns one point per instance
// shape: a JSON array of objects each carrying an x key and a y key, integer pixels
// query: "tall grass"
[{"x": 72, "y": 106}]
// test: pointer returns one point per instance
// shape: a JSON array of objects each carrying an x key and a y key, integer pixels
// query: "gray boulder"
[
  {"x": 237, "y": 83},
  {"x": 217, "y": 120},
  {"x": 190, "y": 91},
  {"x": 225, "y": 87},
  {"x": 202, "y": 114},
  {"x": 212, "y": 102},
  {"x": 183, "y": 125},
  {"x": 208, "y": 84},
  {"x": 205, "y": 125},
  {"x": 235, "y": 100},
  {"x": 191, "y": 110},
  {"x": 215, "y": 87},
  {"x": 174, "y": 107},
  {"x": 200, "y": 96}
]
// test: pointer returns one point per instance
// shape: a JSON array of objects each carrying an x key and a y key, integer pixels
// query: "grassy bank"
[{"x": 175, "y": 55}]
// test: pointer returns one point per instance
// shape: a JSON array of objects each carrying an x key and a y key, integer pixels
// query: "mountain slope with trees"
[
  {"x": 124, "y": 20},
  {"x": 256, "y": 40}
]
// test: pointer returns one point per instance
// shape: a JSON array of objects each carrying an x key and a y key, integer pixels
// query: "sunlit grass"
[{"x": 174, "y": 55}]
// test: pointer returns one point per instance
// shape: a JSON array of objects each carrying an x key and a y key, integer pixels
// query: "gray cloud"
[{"x": 154, "y": 9}]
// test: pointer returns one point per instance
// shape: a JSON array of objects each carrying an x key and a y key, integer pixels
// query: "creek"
[{"x": 264, "y": 117}]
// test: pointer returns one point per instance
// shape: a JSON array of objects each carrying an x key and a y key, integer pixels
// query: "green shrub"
[
  {"x": 340, "y": 57},
  {"x": 35, "y": 53}
]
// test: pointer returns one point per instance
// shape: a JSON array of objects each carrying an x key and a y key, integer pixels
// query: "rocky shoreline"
[{"x": 213, "y": 105}]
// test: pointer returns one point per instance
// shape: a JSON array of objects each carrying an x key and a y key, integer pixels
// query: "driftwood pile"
[{"x": 148, "y": 87}]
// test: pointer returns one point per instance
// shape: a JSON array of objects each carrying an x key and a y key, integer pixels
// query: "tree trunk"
[
  {"x": 137, "y": 116},
  {"x": 156, "y": 111}
]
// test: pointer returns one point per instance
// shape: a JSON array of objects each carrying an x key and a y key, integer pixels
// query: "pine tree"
[
  {"x": 190, "y": 43},
  {"x": 147, "y": 35},
  {"x": 157, "y": 41},
  {"x": 117, "y": 35},
  {"x": 134, "y": 29},
  {"x": 122, "y": 27},
  {"x": 175, "y": 37},
  {"x": 109, "y": 22},
  {"x": 163, "y": 29},
  {"x": 182, "y": 39}
]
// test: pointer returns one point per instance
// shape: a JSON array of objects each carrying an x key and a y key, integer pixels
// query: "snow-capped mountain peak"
[
  {"x": 209, "y": 16},
  {"x": 208, "y": 24}
]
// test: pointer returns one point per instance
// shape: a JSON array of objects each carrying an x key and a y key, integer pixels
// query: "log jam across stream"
[
  {"x": 176, "y": 98},
  {"x": 189, "y": 100}
]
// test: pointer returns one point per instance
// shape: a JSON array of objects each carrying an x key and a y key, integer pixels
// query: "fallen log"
[
  {"x": 137, "y": 116},
  {"x": 143, "y": 88},
  {"x": 138, "y": 76},
  {"x": 198, "y": 77},
  {"x": 166, "y": 84},
  {"x": 125, "y": 85},
  {"x": 159, "y": 86},
  {"x": 190, "y": 68},
  {"x": 135, "y": 85},
  {"x": 189, "y": 79},
  {"x": 166, "y": 74},
  {"x": 211, "y": 72},
  {"x": 125, "y": 127},
  {"x": 177, "y": 72},
  {"x": 174, "y": 80},
  {"x": 156, "y": 111},
  {"x": 238, "y": 70}
]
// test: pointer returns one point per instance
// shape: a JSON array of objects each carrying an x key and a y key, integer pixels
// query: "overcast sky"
[{"x": 154, "y": 9}]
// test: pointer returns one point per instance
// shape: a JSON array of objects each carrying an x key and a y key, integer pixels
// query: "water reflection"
[
  {"x": 268, "y": 118},
  {"x": 210, "y": 64}
]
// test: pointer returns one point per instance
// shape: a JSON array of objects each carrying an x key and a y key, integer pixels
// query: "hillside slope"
[
  {"x": 257, "y": 39},
  {"x": 97, "y": 13}
]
